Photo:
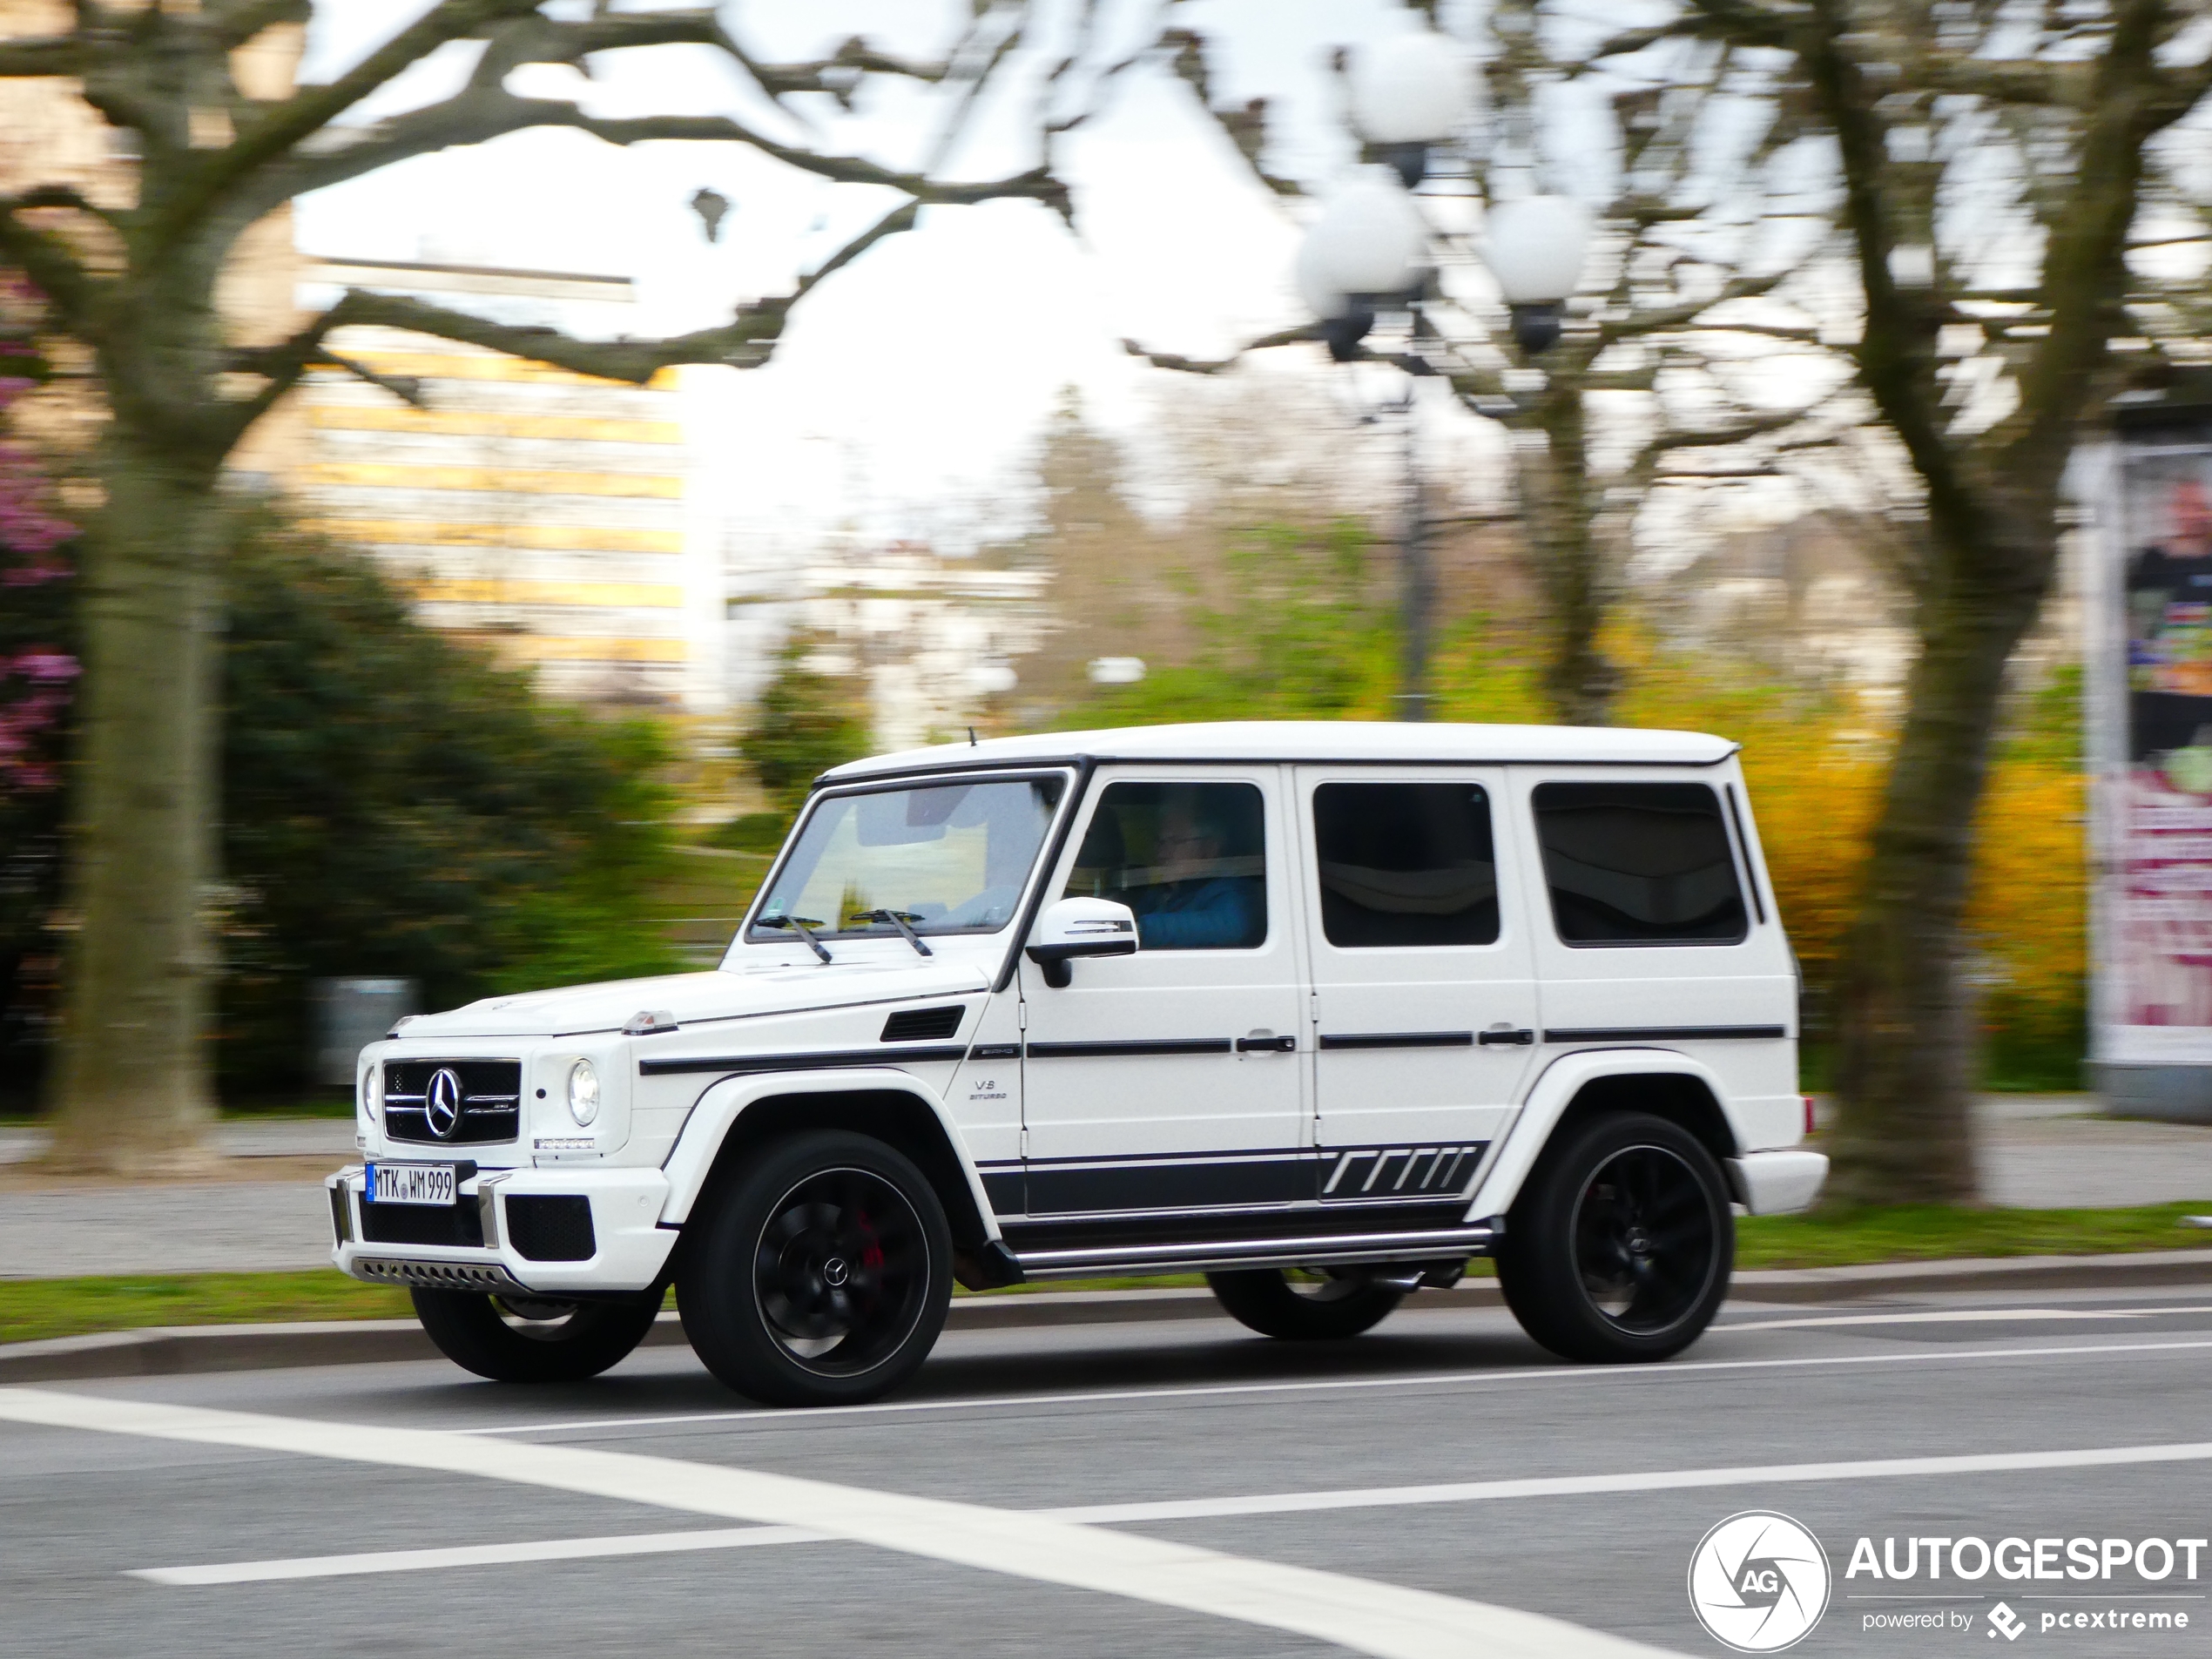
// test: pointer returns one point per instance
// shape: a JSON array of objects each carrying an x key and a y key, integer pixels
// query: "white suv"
[{"x": 1321, "y": 1011}]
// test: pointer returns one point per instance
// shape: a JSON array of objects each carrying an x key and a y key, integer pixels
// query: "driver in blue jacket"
[{"x": 1207, "y": 913}]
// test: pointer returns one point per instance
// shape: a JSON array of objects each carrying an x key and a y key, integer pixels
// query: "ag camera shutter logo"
[{"x": 1758, "y": 1581}]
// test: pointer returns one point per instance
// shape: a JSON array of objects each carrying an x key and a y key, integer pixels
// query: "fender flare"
[
  {"x": 717, "y": 1111},
  {"x": 1547, "y": 1100}
]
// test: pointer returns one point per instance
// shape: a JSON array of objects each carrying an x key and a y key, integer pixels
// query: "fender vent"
[
  {"x": 922, "y": 1025},
  {"x": 549, "y": 1228}
]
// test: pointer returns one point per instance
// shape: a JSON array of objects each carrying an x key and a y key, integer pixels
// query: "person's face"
[{"x": 1182, "y": 840}]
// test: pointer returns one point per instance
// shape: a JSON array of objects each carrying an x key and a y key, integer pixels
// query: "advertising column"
[{"x": 2150, "y": 678}]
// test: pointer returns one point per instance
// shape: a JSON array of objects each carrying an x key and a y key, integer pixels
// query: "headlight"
[
  {"x": 373, "y": 1091},
  {"x": 584, "y": 1092}
]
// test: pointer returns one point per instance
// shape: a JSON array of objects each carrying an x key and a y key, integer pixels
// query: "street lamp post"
[{"x": 1370, "y": 252}]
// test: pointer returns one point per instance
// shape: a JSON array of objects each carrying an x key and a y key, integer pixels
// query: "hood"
[{"x": 720, "y": 993}]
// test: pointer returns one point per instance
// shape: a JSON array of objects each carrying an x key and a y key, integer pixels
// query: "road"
[{"x": 1204, "y": 1493}]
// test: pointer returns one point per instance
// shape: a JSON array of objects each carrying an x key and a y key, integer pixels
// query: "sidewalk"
[{"x": 2043, "y": 1152}]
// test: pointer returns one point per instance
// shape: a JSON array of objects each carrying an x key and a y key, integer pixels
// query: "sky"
[{"x": 908, "y": 392}]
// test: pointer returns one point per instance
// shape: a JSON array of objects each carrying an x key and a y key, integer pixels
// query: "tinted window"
[
  {"x": 1638, "y": 864},
  {"x": 1406, "y": 864},
  {"x": 1190, "y": 860}
]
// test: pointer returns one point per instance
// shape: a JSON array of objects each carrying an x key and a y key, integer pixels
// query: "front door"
[
  {"x": 1171, "y": 1080},
  {"x": 1424, "y": 993}
]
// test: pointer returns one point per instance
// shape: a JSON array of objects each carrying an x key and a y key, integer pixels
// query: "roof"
[{"x": 1318, "y": 741}]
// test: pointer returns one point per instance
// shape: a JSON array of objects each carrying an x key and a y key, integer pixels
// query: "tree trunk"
[
  {"x": 1906, "y": 1045},
  {"x": 132, "y": 1092},
  {"x": 1578, "y": 682}
]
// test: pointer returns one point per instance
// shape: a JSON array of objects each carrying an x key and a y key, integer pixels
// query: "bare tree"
[
  {"x": 1661, "y": 295},
  {"x": 134, "y": 285},
  {"x": 1992, "y": 163}
]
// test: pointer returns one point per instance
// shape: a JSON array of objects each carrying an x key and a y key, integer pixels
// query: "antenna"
[{"x": 971, "y": 737}]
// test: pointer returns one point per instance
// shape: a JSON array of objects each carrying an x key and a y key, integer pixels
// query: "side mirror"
[{"x": 1076, "y": 927}]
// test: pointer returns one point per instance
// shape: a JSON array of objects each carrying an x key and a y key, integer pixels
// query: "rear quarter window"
[{"x": 1639, "y": 864}]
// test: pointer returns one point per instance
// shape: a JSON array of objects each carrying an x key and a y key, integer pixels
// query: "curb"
[{"x": 167, "y": 1351}]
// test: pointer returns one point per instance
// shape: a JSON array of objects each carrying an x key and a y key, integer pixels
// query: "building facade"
[{"x": 547, "y": 514}]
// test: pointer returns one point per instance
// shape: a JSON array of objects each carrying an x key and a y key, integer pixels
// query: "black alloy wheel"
[
  {"x": 1620, "y": 1245},
  {"x": 1300, "y": 1304},
  {"x": 822, "y": 1275},
  {"x": 523, "y": 1338}
]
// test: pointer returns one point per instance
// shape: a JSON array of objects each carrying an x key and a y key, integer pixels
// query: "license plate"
[{"x": 411, "y": 1183}]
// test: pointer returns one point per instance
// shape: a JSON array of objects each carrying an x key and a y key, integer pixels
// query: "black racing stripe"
[
  {"x": 1003, "y": 1189},
  {"x": 1061, "y": 1188},
  {"x": 1398, "y": 1040},
  {"x": 1129, "y": 1050},
  {"x": 1670, "y": 1034},
  {"x": 1036, "y": 1232},
  {"x": 739, "y": 1064}
]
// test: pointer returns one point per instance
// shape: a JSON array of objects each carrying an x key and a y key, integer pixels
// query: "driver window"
[{"x": 1190, "y": 860}]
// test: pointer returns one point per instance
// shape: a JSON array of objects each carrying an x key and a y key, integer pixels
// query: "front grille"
[
  {"x": 922, "y": 1025},
  {"x": 551, "y": 1228},
  {"x": 491, "y": 1100},
  {"x": 459, "y": 1225}
]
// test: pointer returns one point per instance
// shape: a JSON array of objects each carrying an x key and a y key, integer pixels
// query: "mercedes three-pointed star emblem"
[{"x": 442, "y": 1102}]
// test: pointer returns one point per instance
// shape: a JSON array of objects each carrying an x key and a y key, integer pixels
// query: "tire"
[
  {"x": 1305, "y": 1309},
  {"x": 1620, "y": 1247},
  {"x": 821, "y": 1273},
  {"x": 532, "y": 1339}
]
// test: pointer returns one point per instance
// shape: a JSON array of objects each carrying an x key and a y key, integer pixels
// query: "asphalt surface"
[{"x": 1195, "y": 1414}]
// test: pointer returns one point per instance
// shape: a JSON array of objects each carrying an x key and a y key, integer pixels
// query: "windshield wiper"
[
  {"x": 899, "y": 918},
  {"x": 798, "y": 924}
]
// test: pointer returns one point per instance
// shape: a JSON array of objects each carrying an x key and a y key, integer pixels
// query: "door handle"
[
  {"x": 1520, "y": 1039},
  {"x": 1267, "y": 1045}
]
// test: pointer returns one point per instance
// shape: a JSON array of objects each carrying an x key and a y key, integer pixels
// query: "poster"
[{"x": 2155, "y": 959}]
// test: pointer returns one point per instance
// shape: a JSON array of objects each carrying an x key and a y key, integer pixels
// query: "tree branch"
[
  {"x": 276, "y": 131},
  {"x": 479, "y": 114},
  {"x": 43, "y": 55},
  {"x": 1181, "y": 365},
  {"x": 744, "y": 342},
  {"x": 1668, "y": 318},
  {"x": 47, "y": 260},
  {"x": 235, "y": 24}
]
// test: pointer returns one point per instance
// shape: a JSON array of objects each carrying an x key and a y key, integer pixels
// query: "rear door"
[
  {"x": 1652, "y": 930},
  {"x": 1424, "y": 997}
]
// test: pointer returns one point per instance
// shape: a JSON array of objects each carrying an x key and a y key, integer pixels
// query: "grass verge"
[
  {"x": 1929, "y": 1232},
  {"x": 32, "y": 1309}
]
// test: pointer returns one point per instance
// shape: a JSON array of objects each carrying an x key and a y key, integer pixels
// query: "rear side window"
[
  {"x": 1638, "y": 864},
  {"x": 1406, "y": 864},
  {"x": 1190, "y": 860}
]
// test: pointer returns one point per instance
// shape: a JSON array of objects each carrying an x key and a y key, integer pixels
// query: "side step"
[{"x": 1322, "y": 1250}]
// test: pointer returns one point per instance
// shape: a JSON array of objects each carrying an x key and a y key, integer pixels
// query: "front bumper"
[{"x": 629, "y": 1248}]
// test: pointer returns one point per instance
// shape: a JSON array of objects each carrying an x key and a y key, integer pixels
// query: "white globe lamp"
[
  {"x": 1369, "y": 246},
  {"x": 1410, "y": 92},
  {"x": 1535, "y": 246}
]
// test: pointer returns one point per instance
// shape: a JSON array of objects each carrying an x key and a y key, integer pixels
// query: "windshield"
[{"x": 947, "y": 858}]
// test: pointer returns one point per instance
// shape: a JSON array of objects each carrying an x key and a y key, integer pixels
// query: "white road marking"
[
  {"x": 417, "y": 1560},
  {"x": 1277, "y": 1503},
  {"x": 1387, "y": 1620},
  {"x": 1590, "y": 1374},
  {"x": 1962, "y": 1316}
]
